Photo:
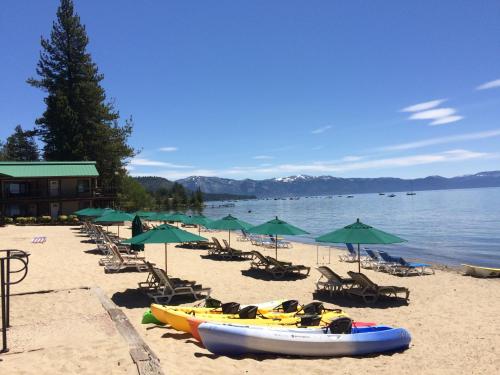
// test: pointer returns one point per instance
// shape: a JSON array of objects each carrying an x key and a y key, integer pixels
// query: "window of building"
[
  {"x": 16, "y": 188},
  {"x": 83, "y": 186}
]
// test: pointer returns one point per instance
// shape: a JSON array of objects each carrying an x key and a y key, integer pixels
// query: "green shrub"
[
  {"x": 21, "y": 220},
  {"x": 62, "y": 218},
  {"x": 31, "y": 220},
  {"x": 9, "y": 220},
  {"x": 44, "y": 219}
]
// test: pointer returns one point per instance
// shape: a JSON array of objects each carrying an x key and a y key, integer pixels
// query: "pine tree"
[
  {"x": 20, "y": 146},
  {"x": 78, "y": 123}
]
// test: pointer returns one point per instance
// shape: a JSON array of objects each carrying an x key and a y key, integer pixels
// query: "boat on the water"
[
  {"x": 391, "y": 195},
  {"x": 411, "y": 193},
  {"x": 381, "y": 193},
  {"x": 227, "y": 339},
  {"x": 479, "y": 271},
  {"x": 350, "y": 196}
]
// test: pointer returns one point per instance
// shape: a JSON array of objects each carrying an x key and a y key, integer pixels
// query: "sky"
[{"x": 262, "y": 89}]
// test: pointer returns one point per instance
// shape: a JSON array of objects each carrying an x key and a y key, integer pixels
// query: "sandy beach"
[{"x": 452, "y": 319}]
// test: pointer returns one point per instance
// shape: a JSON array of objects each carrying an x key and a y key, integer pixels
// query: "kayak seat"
[
  {"x": 248, "y": 312},
  {"x": 341, "y": 325},
  {"x": 313, "y": 308},
  {"x": 290, "y": 306},
  {"x": 309, "y": 320},
  {"x": 230, "y": 308}
]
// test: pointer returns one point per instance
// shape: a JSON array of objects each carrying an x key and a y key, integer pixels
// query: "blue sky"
[{"x": 261, "y": 89}]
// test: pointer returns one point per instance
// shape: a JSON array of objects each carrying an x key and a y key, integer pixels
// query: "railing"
[{"x": 7, "y": 258}]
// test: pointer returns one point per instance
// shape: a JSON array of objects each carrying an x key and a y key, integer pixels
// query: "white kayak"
[{"x": 227, "y": 339}]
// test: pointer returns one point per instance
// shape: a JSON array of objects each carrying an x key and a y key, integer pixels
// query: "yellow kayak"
[
  {"x": 262, "y": 308},
  {"x": 179, "y": 320}
]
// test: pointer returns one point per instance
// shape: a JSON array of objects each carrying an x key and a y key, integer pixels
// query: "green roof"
[{"x": 48, "y": 169}]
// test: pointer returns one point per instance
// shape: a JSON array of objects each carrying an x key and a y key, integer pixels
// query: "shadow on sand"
[
  {"x": 266, "y": 276},
  {"x": 220, "y": 259},
  {"x": 343, "y": 300}
]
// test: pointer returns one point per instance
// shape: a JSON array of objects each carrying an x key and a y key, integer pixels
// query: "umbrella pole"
[
  {"x": 118, "y": 231},
  {"x": 359, "y": 261},
  {"x": 166, "y": 252},
  {"x": 276, "y": 248},
  {"x": 229, "y": 238}
]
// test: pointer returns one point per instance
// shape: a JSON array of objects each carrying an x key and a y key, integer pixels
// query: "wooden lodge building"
[{"x": 49, "y": 188}]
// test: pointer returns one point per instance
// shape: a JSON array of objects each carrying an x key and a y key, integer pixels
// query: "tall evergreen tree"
[
  {"x": 78, "y": 123},
  {"x": 20, "y": 146}
]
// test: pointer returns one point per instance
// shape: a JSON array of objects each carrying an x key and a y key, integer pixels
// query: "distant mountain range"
[{"x": 303, "y": 185}]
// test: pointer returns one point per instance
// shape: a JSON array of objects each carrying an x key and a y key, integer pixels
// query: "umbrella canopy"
[
  {"x": 164, "y": 234},
  {"x": 229, "y": 223},
  {"x": 178, "y": 217},
  {"x": 93, "y": 212},
  {"x": 144, "y": 214},
  {"x": 359, "y": 233},
  {"x": 115, "y": 217},
  {"x": 277, "y": 227},
  {"x": 136, "y": 230},
  {"x": 199, "y": 220}
]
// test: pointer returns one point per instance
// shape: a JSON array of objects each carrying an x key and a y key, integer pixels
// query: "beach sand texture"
[{"x": 453, "y": 319}]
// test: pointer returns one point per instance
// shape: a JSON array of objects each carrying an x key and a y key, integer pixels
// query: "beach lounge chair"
[
  {"x": 374, "y": 262},
  {"x": 167, "y": 288},
  {"x": 260, "y": 261},
  {"x": 331, "y": 282},
  {"x": 245, "y": 236},
  {"x": 233, "y": 253},
  {"x": 153, "y": 282},
  {"x": 280, "y": 269},
  {"x": 371, "y": 292},
  {"x": 351, "y": 256},
  {"x": 406, "y": 268},
  {"x": 119, "y": 262},
  {"x": 217, "y": 249},
  {"x": 280, "y": 242}
]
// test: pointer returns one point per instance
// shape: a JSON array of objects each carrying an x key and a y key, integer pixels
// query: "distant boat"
[
  {"x": 350, "y": 196},
  {"x": 340, "y": 196},
  {"x": 411, "y": 193},
  {"x": 381, "y": 193},
  {"x": 391, "y": 195}
]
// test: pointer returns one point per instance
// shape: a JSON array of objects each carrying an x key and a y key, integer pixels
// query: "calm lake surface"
[{"x": 445, "y": 226}]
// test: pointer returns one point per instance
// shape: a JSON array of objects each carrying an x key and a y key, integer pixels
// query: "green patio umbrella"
[
  {"x": 136, "y": 230},
  {"x": 145, "y": 214},
  {"x": 93, "y": 212},
  {"x": 199, "y": 220},
  {"x": 359, "y": 233},
  {"x": 164, "y": 234},
  {"x": 115, "y": 217},
  {"x": 229, "y": 223},
  {"x": 277, "y": 227}
]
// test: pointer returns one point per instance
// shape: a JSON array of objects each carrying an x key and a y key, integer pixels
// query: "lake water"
[{"x": 445, "y": 226}]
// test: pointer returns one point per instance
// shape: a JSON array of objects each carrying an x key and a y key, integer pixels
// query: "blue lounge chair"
[
  {"x": 373, "y": 261},
  {"x": 421, "y": 268},
  {"x": 351, "y": 257},
  {"x": 402, "y": 267}
]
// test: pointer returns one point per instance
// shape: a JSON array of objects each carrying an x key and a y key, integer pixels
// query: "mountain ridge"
[{"x": 303, "y": 185}]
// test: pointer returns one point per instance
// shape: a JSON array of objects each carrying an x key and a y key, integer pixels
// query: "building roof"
[{"x": 48, "y": 169}]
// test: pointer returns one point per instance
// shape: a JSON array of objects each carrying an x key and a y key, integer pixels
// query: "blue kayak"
[{"x": 232, "y": 340}]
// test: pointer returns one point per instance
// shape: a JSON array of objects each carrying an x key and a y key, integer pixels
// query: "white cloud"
[
  {"x": 168, "y": 149},
  {"x": 442, "y": 140},
  {"x": 406, "y": 161},
  {"x": 321, "y": 130},
  {"x": 489, "y": 85},
  {"x": 142, "y": 162},
  {"x": 433, "y": 114},
  {"x": 350, "y": 158},
  {"x": 423, "y": 106},
  {"x": 263, "y": 157},
  {"x": 446, "y": 120}
]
